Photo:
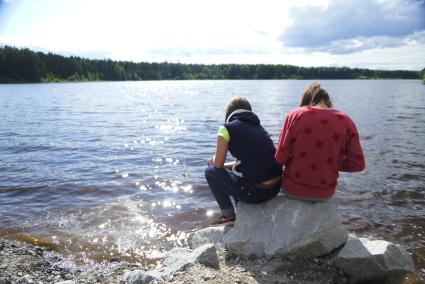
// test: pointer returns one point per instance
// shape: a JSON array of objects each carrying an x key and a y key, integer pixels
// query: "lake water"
[{"x": 116, "y": 169}]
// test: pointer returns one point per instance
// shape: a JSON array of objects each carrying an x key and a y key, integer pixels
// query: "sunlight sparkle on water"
[
  {"x": 167, "y": 204},
  {"x": 174, "y": 186},
  {"x": 150, "y": 141},
  {"x": 209, "y": 213}
]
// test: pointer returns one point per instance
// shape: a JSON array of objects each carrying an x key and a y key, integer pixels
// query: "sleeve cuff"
[{"x": 224, "y": 133}]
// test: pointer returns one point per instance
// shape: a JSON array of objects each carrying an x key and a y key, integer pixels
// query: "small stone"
[
  {"x": 180, "y": 259},
  {"x": 39, "y": 251},
  {"x": 137, "y": 277},
  {"x": 27, "y": 279},
  {"x": 208, "y": 276},
  {"x": 114, "y": 259},
  {"x": 207, "y": 256}
]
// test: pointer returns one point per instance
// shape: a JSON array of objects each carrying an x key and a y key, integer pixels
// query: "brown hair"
[
  {"x": 314, "y": 94},
  {"x": 237, "y": 103}
]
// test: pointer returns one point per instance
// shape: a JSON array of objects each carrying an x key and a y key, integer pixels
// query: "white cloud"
[{"x": 351, "y": 26}]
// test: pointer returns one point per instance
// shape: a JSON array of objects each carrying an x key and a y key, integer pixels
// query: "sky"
[{"x": 376, "y": 34}]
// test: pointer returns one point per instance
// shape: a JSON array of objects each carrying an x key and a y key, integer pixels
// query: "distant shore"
[
  {"x": 181, "y": 80},
  {"x": 27, "y": 66},
  {"x": 199, "y": 80}
]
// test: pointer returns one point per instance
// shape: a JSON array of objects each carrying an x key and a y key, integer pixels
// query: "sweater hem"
[{"x": 307, "y": 191}]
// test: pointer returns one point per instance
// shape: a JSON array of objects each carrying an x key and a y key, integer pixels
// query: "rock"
[
  {"x": 208, "y": 235},
  {"x": 285, "y": 227},
  {"x": 179, "y": 259},
  {"x": 39, "y": 251},
  {"x": 208, "y": 276},
  {"x": 363, "y": 259},
  {"x": 207, "y": 256},
  {"x": 137, "y": 277},
  {"x": 27, "y": 279}
]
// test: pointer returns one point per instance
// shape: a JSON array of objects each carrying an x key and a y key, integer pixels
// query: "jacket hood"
[{"x": 245, "y": 116}]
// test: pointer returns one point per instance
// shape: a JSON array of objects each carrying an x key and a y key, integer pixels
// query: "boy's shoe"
[{"x": 225, "y": 220}]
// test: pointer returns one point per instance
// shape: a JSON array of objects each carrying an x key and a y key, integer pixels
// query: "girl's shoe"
[{"x": 225, "y": 219}]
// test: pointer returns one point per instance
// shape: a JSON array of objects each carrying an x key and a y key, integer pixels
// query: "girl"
[
  {"x": 255, "y": 176},
  {"x": 316, "y": 142}
]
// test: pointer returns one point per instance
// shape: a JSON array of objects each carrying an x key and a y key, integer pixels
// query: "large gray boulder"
[
  {"x": 285, "y": 227},
  {"x": 363, "y": 259}
]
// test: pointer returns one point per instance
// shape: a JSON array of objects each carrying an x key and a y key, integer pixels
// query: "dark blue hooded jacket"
[{"x": 251, "y": 144}]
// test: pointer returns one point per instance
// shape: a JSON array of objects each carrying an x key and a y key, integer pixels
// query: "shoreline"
[
  {"x": 200, "y": 80},
  {"x": 25, "y": 263}
]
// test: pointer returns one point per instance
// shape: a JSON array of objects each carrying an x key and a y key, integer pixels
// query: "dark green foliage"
[{"x": 24, "y": 65}]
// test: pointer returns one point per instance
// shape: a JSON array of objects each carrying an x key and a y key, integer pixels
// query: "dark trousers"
[{"x": 224, "y": 184}]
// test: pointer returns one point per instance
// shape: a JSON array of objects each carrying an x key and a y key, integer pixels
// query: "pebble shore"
[{"x": 29, "y": 264}]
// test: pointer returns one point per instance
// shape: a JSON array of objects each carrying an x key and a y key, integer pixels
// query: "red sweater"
[{"x": 313, "y": 146}]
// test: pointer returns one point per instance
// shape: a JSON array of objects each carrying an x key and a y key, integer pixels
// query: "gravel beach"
[{"x": 25, "y": 263}]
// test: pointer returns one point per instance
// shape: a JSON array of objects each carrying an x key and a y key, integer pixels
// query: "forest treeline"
[{"x": 25, "y": 65}]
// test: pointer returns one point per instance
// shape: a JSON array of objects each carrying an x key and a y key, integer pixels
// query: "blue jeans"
[{"x": 224, "y": 184}]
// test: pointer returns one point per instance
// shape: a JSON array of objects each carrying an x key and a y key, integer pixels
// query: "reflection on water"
[{"x": 104, "y": 170}]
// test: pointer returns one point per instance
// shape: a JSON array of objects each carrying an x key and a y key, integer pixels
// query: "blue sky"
[{"x": 380, "y": 34}]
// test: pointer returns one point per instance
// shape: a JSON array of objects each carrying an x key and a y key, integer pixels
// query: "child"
[
  {"x": 255, "y": 176},
  {"x": 316, "y": 142}
]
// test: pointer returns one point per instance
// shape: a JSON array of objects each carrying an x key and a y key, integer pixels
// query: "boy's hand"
[{"x": 210, "y": 161}]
